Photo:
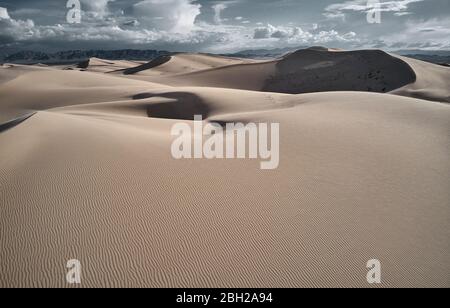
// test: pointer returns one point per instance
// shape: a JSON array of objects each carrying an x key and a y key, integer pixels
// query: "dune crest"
[
  {"x": 11, "y": 123},
  {"x": 182, "y": 63},
  {"x": 316, "y": 69},
  {"x": 433, "y": 82},
  {"x": 98, "y": 65},
  {"x": 90, "y": 174},
  {"x": 154, "y": 63}
]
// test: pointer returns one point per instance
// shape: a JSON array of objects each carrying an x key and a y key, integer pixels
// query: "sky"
[{"x": 223, "y": 26}]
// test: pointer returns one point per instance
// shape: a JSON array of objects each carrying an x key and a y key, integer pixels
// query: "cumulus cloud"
[
  {"x": 218, "y": 9},
  {"x": 15, "y": 30},
  {"x": 298, "y": 35},
  {"x": 425, "y": 34},
  {"x": 338, "y": 10},
  {"x": 4, "y": 13},
  {"x": 262, "y": 33},
  {"x": 168, "y": 15},
  {"x": 271, "y": 31},
  {"x": 113, "y": 32},
  {"x": 167, "y": 30},
  {"x": 98, "y": 8},
  {"x": 184, "y": 25}
]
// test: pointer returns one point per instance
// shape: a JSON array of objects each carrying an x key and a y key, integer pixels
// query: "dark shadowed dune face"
[
  {"x": 306, "y": 71},
  {"x": 185, "y": 106},
  {"x": 157, "y": 62},
  {"x": 10, "y": 124},
  {"x": 314, "y": 70},
  {"x": 84, "y": 64}
]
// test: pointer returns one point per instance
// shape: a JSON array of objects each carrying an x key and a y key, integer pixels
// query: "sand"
[
  {"x": 86, "y": 173},
  {"x": 323, "y": 70},
  {"x": 182, "y": 63},
  {"x": 432, "y": 82}
]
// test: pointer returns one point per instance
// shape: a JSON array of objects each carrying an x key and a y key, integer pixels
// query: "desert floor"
[{"x": 86, "y": 173}]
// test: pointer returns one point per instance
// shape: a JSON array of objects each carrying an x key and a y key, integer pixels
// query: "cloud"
[
  {"x": 365, "y": 6},
  {"x": 274, "y": 36},
  {"x": 198, "y": 25},
  {"x": 280, "y": 32},
  {"x": 262, "y": 33},
  {"x": 218, "y": 9},
  {"x": 131, "y": 23},
  {"x": 168, "y": 15},
  {"x": 97, "y": 8},
  {"x": 426, "y": 34},
  {"x": 15, "y": 30},
  {"x": 402, "y": 13},
  {"x": 113, "y": 32},
  {"x": 4, "y": 13}
]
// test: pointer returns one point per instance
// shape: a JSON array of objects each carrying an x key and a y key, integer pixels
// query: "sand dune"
[
  {"x": 432, "y": 82},
  {"x": 11, "y": 123},
  {"x": 308, "y": 71},
  {"x": 248, "y": 76},
  {"x": 9, "y": 72},
  {"x": 323, "y": 70},
  {"x": 57, "y": 88},
  {"x": 90, "y": 175},
  {"x": 102, "y": 66},
  {"x": 182, "y": 64},
  {"x": 154, "y": 63}
]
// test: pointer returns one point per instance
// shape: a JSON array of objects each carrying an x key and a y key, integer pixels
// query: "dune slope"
[
  {"x": 312, "y": 70},
  {"x": 308, "y": 71},
  {"x": 182, "y": 63},
  {"x": 320, "y": 70},
  {"x": 433, "y": 82},
  {"x": 34, "y": 89},
  {"x": 90, "y": 176},
  {"x": 361, "y": 175}
]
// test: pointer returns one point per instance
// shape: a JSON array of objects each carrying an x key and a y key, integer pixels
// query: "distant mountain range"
[
  {"x": 264, "y": 53},
  {"x": 441, "y": 57},
  {"x": 441, "y": 53},
  {"x": 73, "y": 56}
]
